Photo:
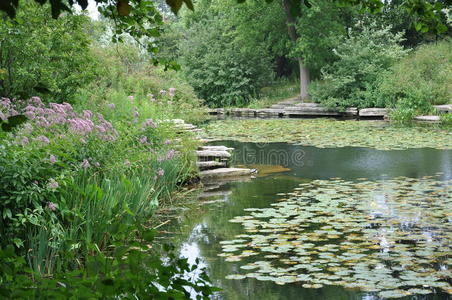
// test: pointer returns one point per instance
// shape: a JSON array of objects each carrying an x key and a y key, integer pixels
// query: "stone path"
[
  {"x": 213, "y": 161},
  {"x": 293, "y": 108}
]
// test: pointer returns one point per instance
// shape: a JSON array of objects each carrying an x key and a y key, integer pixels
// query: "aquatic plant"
[
  {"x": 327, "y": 133},
  {"x": 389, "y": 236}
]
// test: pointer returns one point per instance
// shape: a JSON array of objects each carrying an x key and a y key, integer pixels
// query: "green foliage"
[
  {"x": 424, "y": 76},
  {"x": 362, "y": 57},
  {"x": 227, "y": 50},
  {"x": 44, "y": 57},
  {"x": 315, "y": 43},
  {"x": 446, "y": 119},
  {"x": 126, "y": 71},
  {"x": 131, "y": 269}
]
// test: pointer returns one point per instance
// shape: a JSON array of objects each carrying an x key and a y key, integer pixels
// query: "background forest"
[{"x": 93, "y": 98}]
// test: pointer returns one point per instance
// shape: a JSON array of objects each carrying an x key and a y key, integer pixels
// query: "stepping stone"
[
  {"x": 216, "y": 148},
  {"x": 311, "y": 111},
  {"x": 445, "y": 108},
  {"x": 216, "y": 111},
  {"x": 430, "y": 119},
  {"x": 204, "y": 165},
  {"x": 270, "y": 112},
  {"x": 211, "y": 153},
  {"x": 225, "y": 172},
  {"x": 373, "y": 112},
  {"x": 351, "y": 111}
]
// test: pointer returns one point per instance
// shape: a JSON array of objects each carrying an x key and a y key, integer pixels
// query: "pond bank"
[{"x": 293, "y": 108}]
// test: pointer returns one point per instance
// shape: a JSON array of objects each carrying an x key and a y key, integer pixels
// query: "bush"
[
  {"x": 424, "y": 76},
  {"x": 362, "y": 57},
  {"x": 126, "y": 71},
  {"x": 43, "y": 56},
  {"x": 218, "y": 70}
]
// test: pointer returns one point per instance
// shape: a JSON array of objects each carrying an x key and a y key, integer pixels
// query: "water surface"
[{"x": 202, "y": 229}]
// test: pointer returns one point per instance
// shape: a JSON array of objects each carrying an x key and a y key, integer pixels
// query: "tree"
[
  {"x": 38, "y": 55},
  {"x": 141, "y": 19}
]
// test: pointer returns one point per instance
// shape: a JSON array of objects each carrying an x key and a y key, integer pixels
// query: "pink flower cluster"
[
  {"x": 149, "y": 123},
  {"x": 58, "y": 117}
]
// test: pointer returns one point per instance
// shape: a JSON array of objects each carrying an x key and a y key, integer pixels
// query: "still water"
[{"x": 203, "y": 228}]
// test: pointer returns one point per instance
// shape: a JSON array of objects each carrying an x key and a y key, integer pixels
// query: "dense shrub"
[
  {"x": 217, "y": 68},
  {"x": 362, "y": 57},
  {"x": 424, "y": 76},
  {"x": 44, "y": 56}
]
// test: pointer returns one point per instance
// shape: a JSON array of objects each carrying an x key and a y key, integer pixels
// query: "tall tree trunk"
[{"x": 304, "y": 71}]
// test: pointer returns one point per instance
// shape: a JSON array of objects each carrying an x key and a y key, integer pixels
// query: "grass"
[{"x": 276, "y": 92}]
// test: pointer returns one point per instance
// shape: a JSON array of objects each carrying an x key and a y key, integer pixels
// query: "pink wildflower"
[
  {"x": 43, "y": 139},
  {"x": 87, "y": 114},
  {"x": 85, "y": 164},
  {"x": 36, "y": 101},
  {"x": 172, "y": 91},
  {"x": 111, "y": 105},
  {"x": 127, "y": 163},
  {"x": 2, "y": 116},
  {"x": 136, "y": 114},
  {"x": 162, "y": 92},
  {"x": 170, "y": 154},
  {"x": 149, "y": 123},
  {"x": 167, "y": 142},
  {"x": 24, "y": 141},
  {"x": 143, "y": 139},
  {"x": 52, "y": 159},
  {"x": 53, "y": 184},
  {"x": 131, "y": 98},
  {"x": 51, "y": 206},
  {"x": 160, "y": 172}
]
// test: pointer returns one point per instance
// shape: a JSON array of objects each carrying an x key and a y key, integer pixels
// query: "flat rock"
[
  {"x": 432, "y": 119},
  {"x": 373, "y": 112},
  {"x": 351, "y": 111},
  {"x": 225, "y": 172},
  {"x": 203, "y": 165},
  {"x": 445, "y": 108},
  {"x": 269, "y": 111},
  {"x": 212, "y": 153},
  {"x": 216, "y": 148},
  {"x": 311, "y": 111}
]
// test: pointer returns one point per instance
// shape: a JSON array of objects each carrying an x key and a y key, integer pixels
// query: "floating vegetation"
[
  {"x": 393, "y": 237},
  {"x": 328, "y": 133}
]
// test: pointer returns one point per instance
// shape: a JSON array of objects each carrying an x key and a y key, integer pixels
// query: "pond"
[{"x": 326, "y": 223}]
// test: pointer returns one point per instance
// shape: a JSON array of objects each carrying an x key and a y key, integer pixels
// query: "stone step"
[
  {"x": 373, "y": 112},
  {"x": 211, "y": 164},
  {"x": 445, "y": 108},
  {"x": 310, "y": 111},
  {"x": 225, "y": 172},
  {"x": 213, "y": 154},
  {"x": 270, "y": 112},
  {"x": 429, "y": 119},
  {"x": 216, "y": 148},
  {"x": 278, "y": 106}
]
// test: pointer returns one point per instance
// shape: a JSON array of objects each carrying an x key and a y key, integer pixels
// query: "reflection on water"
[{"x": 204, "y": 228}]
